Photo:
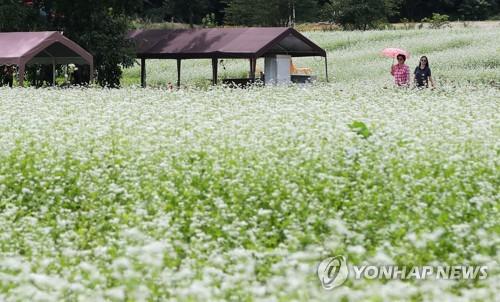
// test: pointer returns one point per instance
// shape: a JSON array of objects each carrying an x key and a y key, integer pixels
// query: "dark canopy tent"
[
  {"x": 221, "y": 43},
  {"x": 28, "y": 48}
]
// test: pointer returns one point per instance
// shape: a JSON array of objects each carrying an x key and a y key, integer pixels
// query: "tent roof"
[
  {"x": 222, "y": 43},
  {"x": 24, "y": 48}
]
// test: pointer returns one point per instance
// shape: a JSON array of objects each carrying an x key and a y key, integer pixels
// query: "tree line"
[
  {"x": 100, "y": 25},
  {"x": 24, "y": 14},
  {"x": 354, "y": 13}
]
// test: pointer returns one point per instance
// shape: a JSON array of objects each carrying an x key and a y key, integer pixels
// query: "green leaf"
[{"x": 361, "y": 129}]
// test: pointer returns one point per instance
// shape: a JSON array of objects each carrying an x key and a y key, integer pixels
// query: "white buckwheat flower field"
[{"x": 214, "y": 194}]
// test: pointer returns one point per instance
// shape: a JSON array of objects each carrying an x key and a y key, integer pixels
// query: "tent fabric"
[
  {"x": 222, "y": 43},
  {"x": 50, "y": 47},
  {"x": 22, "y": 47}
]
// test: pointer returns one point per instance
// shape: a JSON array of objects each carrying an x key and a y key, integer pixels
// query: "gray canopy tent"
[
  {"x": 221, "y": 43},
  {"x": 50, "y": 48}
]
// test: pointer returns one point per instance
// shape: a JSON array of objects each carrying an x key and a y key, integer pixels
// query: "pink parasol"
[{"x": 394, "y": 52}]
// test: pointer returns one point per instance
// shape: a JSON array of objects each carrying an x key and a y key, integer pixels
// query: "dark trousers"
[{"x": 8, "y": 81}]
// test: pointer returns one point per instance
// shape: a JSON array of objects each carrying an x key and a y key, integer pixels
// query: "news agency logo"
[{"x": 334, "y": 271}]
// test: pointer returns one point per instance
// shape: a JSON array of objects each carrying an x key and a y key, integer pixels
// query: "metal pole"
[
  {"x": 215, "y": 63},
  {"x": 326, "y": 69},
  {"x": 143, "y": 73},
  {"x": 178, "y": 73},
  {"x": 53, "y": 71},
  {"x": 253, "y": 65},
  {"x": 91, "y": 75},
  {"x": 21, "y": 74}
]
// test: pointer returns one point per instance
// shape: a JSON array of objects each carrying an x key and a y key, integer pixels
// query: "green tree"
[
  {"x": 100, "y": 27},
  {"x": 241, "y": 12},
  {"x": 270, "y": 12},
  {"x": 15, "y": 16},
  {"x": 187, "y": 11},
  {"x": 437, "y": 21},
  {"x": 360, "y": 14},
  {"x": 306, "y": 10},
  {"x": 477, "y": 9},
  {"x": 456, "y": 9},
  {"x": 190, "y": 12}
]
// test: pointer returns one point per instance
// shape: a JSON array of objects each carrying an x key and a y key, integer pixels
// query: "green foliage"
[
  {"x": 477, "y": 9},
  {"x": 97, "y": 26},
  {"x": 2, "y": 75},
  {"x": 239, "y": 12},
  {"x": 107, "y": 42},
  {"x": 437, "y": 21},
  {"x": 101, "y": 30},
  {"x": 416, "y": 10},
  {"x": 14, "y": 16},
  {"x": 361, "y": 129},
  {"x": 270, "y": 12},
  {"x": 209, "y": 21},
  {"x": 186, "y": 11},
  {"x": 364, "y": 14}
]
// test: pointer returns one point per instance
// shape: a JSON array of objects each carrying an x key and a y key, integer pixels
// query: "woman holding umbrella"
[{"x": 400, "y": 71}]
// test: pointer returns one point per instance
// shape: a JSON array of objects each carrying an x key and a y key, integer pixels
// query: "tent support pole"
[
  {"x": 215, "y": 63},
  {"x": 53, "y": 72},
  {"x": 91, "y": 73},
  {"x": 53, "y": 67},
  {"x": 326, "y": 69},
  {"x": 253, "y": 63},
  {"x": 178, "y": 73},
  {"x": 143, "y": 73},
  {"x": 22, "y": 68},
  {"x": 254, "y": 67}
]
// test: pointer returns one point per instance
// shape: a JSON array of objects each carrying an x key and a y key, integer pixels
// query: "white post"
[{"x": 277, "y": 70}]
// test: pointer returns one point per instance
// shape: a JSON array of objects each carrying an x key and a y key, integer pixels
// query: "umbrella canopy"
[{"x": 394, "y": 52}]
